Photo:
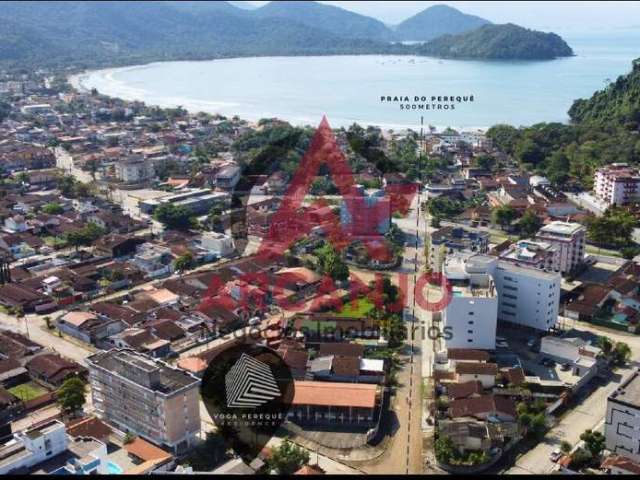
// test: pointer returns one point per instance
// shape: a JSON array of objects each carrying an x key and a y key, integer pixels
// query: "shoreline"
[{"x": 120, "y": 90}]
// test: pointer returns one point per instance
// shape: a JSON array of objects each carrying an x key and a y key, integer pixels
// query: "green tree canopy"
[
  {"x": 71, "y": 395},
  {"x": 288, "y": 457},
  {"x": 174, "y": 217}
]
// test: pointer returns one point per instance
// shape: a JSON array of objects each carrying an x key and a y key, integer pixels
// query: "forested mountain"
[
  {"x": 338, "y": 21},
  {"x": 436, "y": 21},
  {"x": 619, "y": 102},
  {"x": 111, "y": 33},
  {"x": 605, "y": 129},
  {"x": 500, "y": 42}
]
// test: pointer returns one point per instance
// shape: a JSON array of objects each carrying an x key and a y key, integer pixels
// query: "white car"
[{"x": 555, "y": 455}]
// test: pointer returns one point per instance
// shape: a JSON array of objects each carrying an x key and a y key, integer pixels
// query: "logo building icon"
[{"x": 250, "y": 384}]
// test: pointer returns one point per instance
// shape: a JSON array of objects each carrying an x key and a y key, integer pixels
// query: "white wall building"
[
  {"x": 527, "y": 296},
  {"x": 217, "y": 243},
  {"x": 617, "y": 184},
  {"x": 569, "y": 240},
  {"x": 533, "y": 254},
  {"x": 33, "y": 446},
  {"x": 622, "y": 420},
  {"x": 472, "y": 312}
]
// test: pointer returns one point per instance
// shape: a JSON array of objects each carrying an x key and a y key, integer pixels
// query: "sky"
[{"x": 560, "y": 15}]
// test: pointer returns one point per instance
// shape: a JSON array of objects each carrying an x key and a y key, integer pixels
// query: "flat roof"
[
  {"x": 563, "y": 228},
  {"x": 629, "y": 391}
]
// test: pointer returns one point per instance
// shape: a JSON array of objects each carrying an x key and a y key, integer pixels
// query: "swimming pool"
[{"x": 114, "y": 469}]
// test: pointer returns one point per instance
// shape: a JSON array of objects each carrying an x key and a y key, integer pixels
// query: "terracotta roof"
[
  {"x": 296, "y": 359},
  {"x": 341, "y": 349},
  {"x": 485, "y": 404},
  {"x": 145, "y": 451},
  {"x": 346, "y": 366},
  {"x": 622, "y": 463},
  {"x": 439, "y": 375},
  {"x": 335, "y": 394},
  {"x": 89, "y": 427},
  {"x": 53, "y": 367},
  {"x": 474, "y": 368},
  {"x": 77, "y": 319},
  {"x": 310, "y": 470},
  {"x": 192, "y": 364},
  {"x": 467, "y": 354},
  {"x": 463, "y": 390},
  {"x": 515, "y": 376}
]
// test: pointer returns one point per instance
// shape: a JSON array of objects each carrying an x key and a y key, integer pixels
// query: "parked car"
[
  {"x": 531, "y": 342},
  {"x": 555, "y": 455}
]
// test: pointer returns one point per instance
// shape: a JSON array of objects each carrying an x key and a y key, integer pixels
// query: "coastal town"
[{"x": 445, "y": 312}]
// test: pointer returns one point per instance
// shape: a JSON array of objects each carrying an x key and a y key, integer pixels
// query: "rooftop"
[
  {"x": 143, "y": 370},
  {"x": 629, "y": 391},
  {"x": 563, "y": 229},
  {"x": 335, "y": 394}
]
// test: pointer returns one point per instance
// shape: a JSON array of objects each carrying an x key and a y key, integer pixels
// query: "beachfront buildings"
[
  {"x": 617, "y": 184},
  {"x": 622, "y": 420},
  {"x": 471, "y": 314},
  {"x": 144, "y": 396},
  {"x": 568, "y": 238}
]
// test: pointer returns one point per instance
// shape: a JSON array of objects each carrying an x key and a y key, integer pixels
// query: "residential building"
[
  {"x": 617, "y": 184},
  {"x": 622, "y": 419},
  {"x": 33, "y": 446},
  {"x": 147, "y": 397},
  {"x": 228, "y": 177},
  {"x": 198, "y": 201},
  {"x": 218, "y": 244},
  {"x": 134, "y": 169},
  {"x": 472, "y": 311},
  {"x": 448, "y": 240},
  {"x": 533, "y": 254},
  {"x": 569, "y": 240},
  {"x": 620, "y": 465},
  {"x": 485, "y": 373},
  {"x": 527, "y": 296},
  {"x": 154, "y": 260},
  {"x": 365, "y": 212}
]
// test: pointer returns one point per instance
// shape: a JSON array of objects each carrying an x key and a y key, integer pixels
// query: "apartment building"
[
  {"x": 533, "y": 254},
  {"x": 617, "y": 184},
  {"x": 527, "y": 296},
  {"x": 472, "y": 312},
  {"x": 569, "y": 241},
  {"x": 448, "y": 240},
  {"x": 33, "y": 446},
  {"x": 147, "y": 397},
  {"x": 622, "y": 420}
]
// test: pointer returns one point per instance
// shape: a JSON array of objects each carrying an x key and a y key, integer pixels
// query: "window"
[
  {"x": 470, "y": 322},
  {"x": 471, "y": 313},
  {"x": 470, "y": 332}
]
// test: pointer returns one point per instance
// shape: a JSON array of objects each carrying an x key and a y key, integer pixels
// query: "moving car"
[{"x": 555, "y": 455}]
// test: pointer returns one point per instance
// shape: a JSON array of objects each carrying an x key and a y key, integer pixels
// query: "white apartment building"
[
  {"x": 147, "y": 397},
  {"x": 472, "y": 312},
  {"x": 622, "y": 420},
  {"x": 134, "y": 169},
  {"x": 617, "y": 184},
  {"x": 569, "y": 241},
  {"x": 219, "y": 244},
  {"x": 527, "y": 296},
  {"x": 33, "y": 446}
]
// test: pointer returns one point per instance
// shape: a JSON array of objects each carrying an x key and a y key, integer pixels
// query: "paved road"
[{"x": 588, "y": 415}]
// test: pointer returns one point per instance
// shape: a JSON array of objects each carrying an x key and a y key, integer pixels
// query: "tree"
[
  {"x": 174, "y": 217},
  {"x": 5, "y": 109},
  {"x": 445, "y": 449},
  {"x": 565, "y": 447},
  {"x": 529, "y": 223},
  {"x": 70, "y": 395},
  {"x": 621, "y": 353},
  {"x": 538, "y": 425},
  {"x": 606, "y": 345},
  {"x": 580, "y": 459},
  {"x": 185, "y": 262},
  {"x": 288, "y": 457},
  {"x": 594, "y": 442},
  {"x": 503, "y": 215},
  {"x": 394, "y": 330},
  {"x": 484, "y": 161},
  {"x": 129, "y": 438},
  {"x": 331, "y": 264},
  {"x": 614, "y": 228},
  {"x": 53, "y": 208}
]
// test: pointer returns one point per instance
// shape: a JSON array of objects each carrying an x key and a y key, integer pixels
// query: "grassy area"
[
  {"x": 27, "y": 391},
  {"x": 360, "y": 308}
]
